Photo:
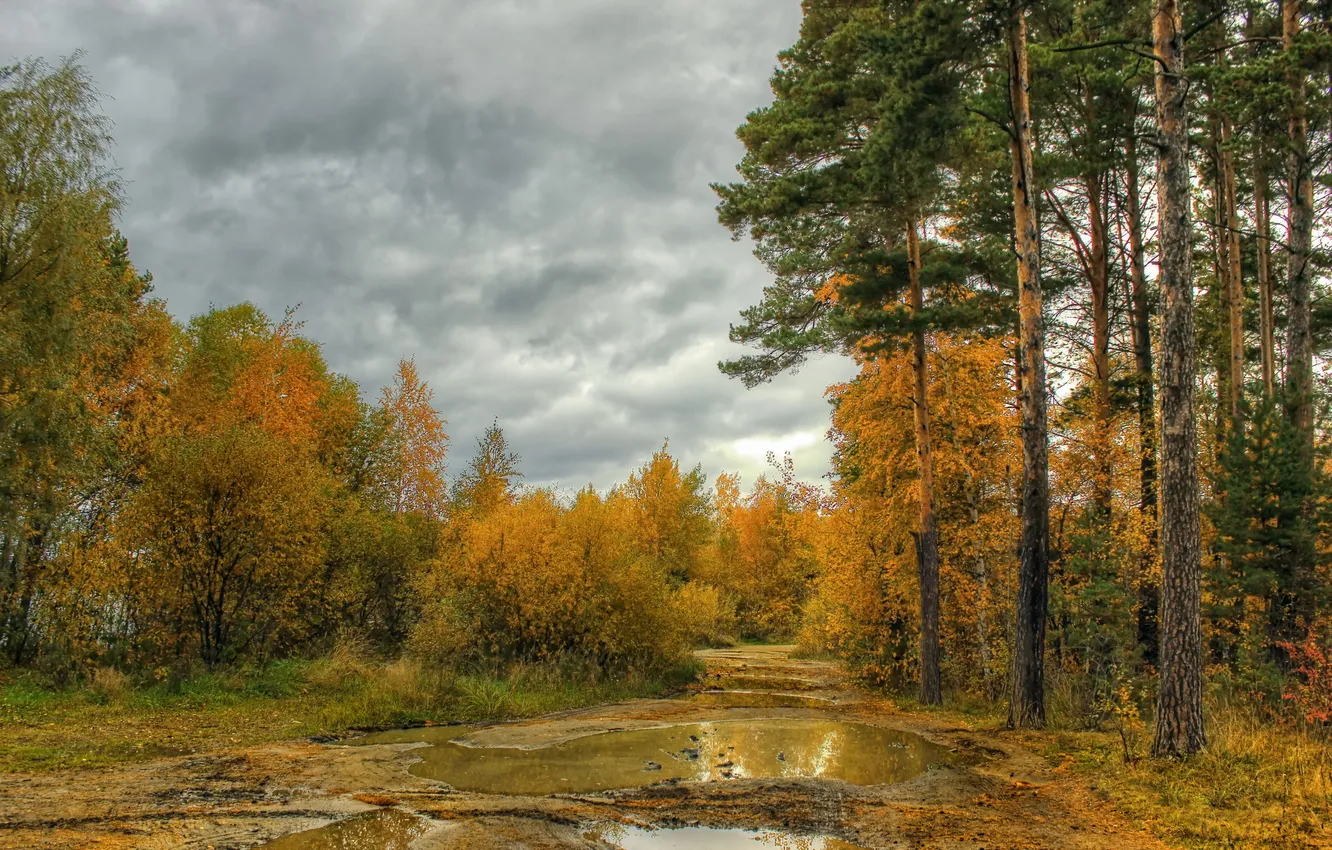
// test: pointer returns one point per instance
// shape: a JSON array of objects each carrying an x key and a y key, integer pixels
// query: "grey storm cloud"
[{"x": 514, "y": 192}]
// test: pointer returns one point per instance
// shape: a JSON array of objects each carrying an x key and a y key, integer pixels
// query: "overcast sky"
[{"x": 514, "y": 192}]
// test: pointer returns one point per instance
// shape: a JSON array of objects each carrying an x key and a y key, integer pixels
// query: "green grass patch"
[{"x": 113, "y": 720}]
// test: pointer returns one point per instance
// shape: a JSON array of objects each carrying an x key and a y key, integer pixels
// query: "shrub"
[
  {"x": 706, "y": 615},
  {"x": 529, "y": 580},
  {"x": 107, "y": 684},
  {"x": 1309, "y": 688}
]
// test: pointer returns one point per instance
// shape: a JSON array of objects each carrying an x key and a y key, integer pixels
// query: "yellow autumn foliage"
[
  {"x": 866, "y": 608},
  {"x": 765, "y": 557},
  {"x": 534, "y": 580}
]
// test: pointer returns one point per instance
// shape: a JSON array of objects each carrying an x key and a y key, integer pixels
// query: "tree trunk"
[
  {"x": 1266, "y": 323},
  {"x": 1026, "y": 709},
  {"x": 1179, "y": 717},
  {"x": 931, "y": 692},
  {"x": 982, "y": 576},
  {"x": 1234, "y": 274},
  {"x": 1099, "y": 268},
  {"x": 1148, "y": 592},
  {"x": 1299, "y": 343},
  {"x": 1220, "y": 267},
  {"x": 1292, "y": 596}
]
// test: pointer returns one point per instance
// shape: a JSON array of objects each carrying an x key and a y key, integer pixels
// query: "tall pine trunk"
[
  {"x": 1179, "y": 716},
  {"x": 1219, "y": 359},
  {"x": 1292, "y": 598},
  {"x": 1299, "y": 342},
  {"x": 1098, "y": 262},
  {"x": 1148, "y": 592},
  {"x": 931, "y": 692},
  {"x": 1234, "y": 274},
  {"x": 1026, "y": 709},
  {"x": 1266, "y": 321}
]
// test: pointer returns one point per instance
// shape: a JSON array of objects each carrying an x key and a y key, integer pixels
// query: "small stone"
[{"x": 652, "y": 765}]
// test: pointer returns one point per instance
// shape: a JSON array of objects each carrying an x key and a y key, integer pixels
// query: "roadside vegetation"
[
  {"x": 1259, "y": 783},
  {"x": 111, "y": 718}
]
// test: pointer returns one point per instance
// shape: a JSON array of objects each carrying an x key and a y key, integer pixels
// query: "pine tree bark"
[
  {"x": 931, "y": 691},
  {"x": 1220, "y": 359},
  {"x": 1098, "y": 262},
  {"x": 1266, "y": 322},
  {"x": 1299, "y": 341},
  {"x": 1148, "y": 591},
  {"x": 1234, "y": 274},
  {"x": 1292, "y": 598},
  {"x": 1026, "y": 709},
  {"x": 1179, "y": 718}
]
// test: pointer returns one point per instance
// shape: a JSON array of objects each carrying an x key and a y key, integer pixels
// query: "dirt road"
[{"x": 766, "y": 742}]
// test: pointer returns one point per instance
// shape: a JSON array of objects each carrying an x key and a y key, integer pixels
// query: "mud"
[
  {"x": 722, "y": 751},
  {"x": 986, "y": 791}
]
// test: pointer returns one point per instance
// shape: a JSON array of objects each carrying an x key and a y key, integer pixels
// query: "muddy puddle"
[
  {"x": 386, "y": 829},
  {"x": 717, "y": 751},
  {"x": 703, "y": 838}
]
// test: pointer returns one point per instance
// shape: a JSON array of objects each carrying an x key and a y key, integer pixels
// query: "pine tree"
[{"x": 1179, "y": 717}]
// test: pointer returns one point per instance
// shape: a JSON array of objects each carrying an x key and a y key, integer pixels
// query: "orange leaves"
[
  {"x": 278, "y": 387},
  {"x": 828, "y": 292},
  {"x": 241, "y": 369},
  {"x": 227, "y": 534},
  {"x": 417, "y": 443},
  {"x": 536, "y": 580},
  {"x": 671, "y": 512},
  {"x": 1309, "y": 688},
  {"x": 867, "y": 606},
  {"x": 766, "y": 552}
]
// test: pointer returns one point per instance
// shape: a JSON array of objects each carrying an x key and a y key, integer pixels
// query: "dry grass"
[{"x": 1258, "y": 783}]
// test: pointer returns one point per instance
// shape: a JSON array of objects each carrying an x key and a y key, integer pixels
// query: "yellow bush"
[
  {"x": 706, "y": 615},
  {"x": 532, "y": 580}
]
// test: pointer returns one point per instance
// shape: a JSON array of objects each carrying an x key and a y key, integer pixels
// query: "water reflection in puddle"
[
  {"x": 702, "y": 838},
  {"x": 789, "y": 748},
  {"x": 386, "y": 829}
]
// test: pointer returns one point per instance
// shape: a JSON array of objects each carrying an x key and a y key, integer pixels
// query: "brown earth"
[{"x": 994, "y": 794}]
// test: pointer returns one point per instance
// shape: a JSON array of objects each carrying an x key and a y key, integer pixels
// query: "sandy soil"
[{"x": 993, "y": 795}]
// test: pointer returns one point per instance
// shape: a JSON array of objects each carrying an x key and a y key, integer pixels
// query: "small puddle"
[
  {"x": 703, "y": 838},
  {"x": 787, "y": 748},
  {"x": 386, "y": 829}
]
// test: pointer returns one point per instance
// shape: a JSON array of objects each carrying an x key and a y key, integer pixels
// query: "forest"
[
  {"x": 1083, "y": 282},
  {"x": 1078, "y": 253}
]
